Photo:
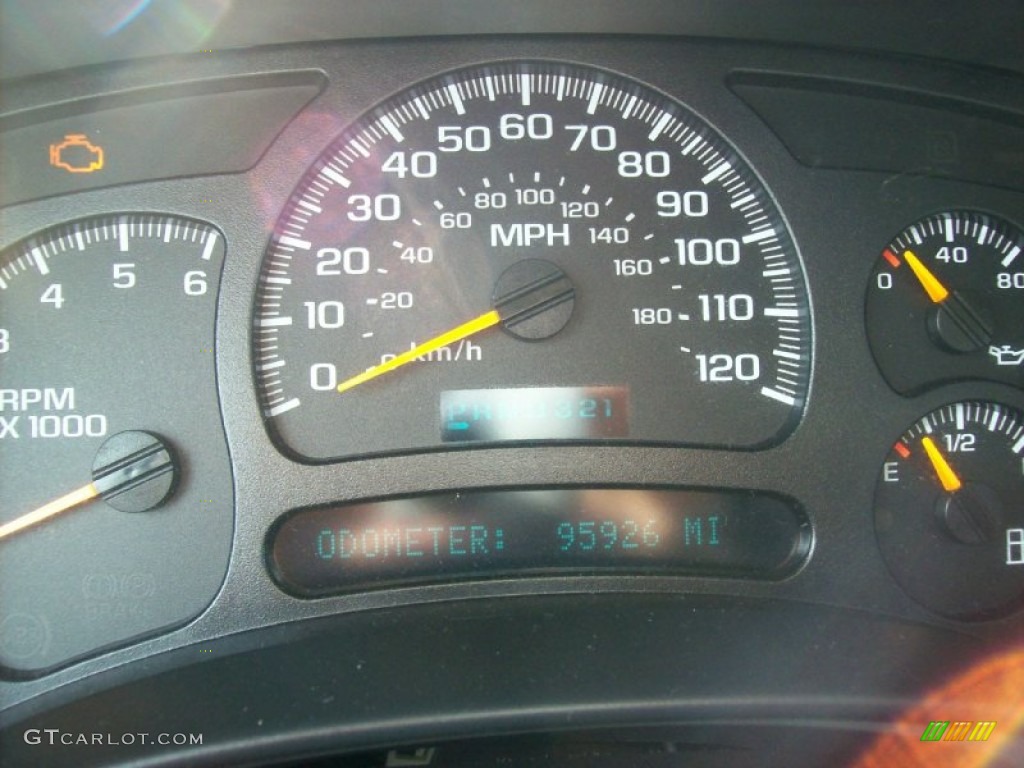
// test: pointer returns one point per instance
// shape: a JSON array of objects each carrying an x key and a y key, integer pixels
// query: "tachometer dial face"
[
  {"x": 946, "y": 303},
  {"x": 525, "y": 252},
  {"x": 949, "y": 510},
  {"x": 116, "y": 500}
]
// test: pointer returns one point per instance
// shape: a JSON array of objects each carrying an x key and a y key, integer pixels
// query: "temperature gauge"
[{"x": 949, "y": 510}]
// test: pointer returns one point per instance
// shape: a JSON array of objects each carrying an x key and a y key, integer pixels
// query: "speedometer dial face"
[{"x": 530, "y": 252}]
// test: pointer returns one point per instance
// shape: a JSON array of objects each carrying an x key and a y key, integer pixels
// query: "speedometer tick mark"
[
  {"x": 659, "y": 126},
  {"x": 439, "y": 205},
  {"x": 453, "y": 93},
  {"x": 392, "y": 129},
  {"x": 774, "y": 394},
  {"x": 717, "y": 172},
  {"x": 277, "y": 410},
  {"x": 334, "y": 176},
  {"x": 418, "y": 103},
  {"x": 756, "y": 237},
  {"x": 629, "y": 216},
  {"x": 664, "y": 259}
]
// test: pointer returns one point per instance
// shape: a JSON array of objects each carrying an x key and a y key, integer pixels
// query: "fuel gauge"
[
  {"x": 949, "y": 510},
  {"x": 946, "y": 303}
]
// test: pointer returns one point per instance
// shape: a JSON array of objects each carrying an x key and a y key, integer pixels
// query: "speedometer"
[{"x": 523, "y": 252}]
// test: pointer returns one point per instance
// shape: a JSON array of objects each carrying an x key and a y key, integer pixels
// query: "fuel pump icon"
[{"x": 76, "y": 154}]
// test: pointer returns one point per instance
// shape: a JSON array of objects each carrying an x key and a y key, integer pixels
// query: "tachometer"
[
  {"x": 116, "y": 504},
  {"x": 530, "y": 251}
]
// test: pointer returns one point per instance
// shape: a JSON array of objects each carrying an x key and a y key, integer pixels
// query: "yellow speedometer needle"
[
  {"x": 936, "y": 291},
  {"x": 950, "y": 482},
  {"x": 55, "y": 507},
  {"x": 463, "y": 331}
]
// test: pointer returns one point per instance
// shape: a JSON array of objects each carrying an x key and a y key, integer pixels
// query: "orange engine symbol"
[{"x": 76, "y": 154}]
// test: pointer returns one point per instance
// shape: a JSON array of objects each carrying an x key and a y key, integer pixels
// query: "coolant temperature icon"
[{"x": 76, "y": 154}]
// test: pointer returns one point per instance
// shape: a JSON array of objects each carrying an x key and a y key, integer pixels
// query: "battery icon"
[{"x": 76, "y": 154}]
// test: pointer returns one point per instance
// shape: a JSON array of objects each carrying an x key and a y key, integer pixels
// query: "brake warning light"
[{"x": 76, "y": 154}]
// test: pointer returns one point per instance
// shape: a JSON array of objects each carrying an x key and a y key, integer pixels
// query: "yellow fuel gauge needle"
[
  {"x": 936, "y": 291},
  {"x": 948, "y": 478},
  {"x": 458, "y": 333},
  {"x": 55, "y": 507}
]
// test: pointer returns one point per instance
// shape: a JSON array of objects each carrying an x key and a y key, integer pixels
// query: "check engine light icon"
[{"x": 76, "y": 154}]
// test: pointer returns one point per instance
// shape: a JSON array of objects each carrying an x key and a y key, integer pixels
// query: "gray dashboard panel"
[{"x": 840, "y": 220}]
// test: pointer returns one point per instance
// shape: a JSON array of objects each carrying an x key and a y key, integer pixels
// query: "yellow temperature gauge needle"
[
  {"x": 936, "y": 291},
  {"x": 55, "y": 507},
  {"x": 950, "y": 482},
  {"x": 458, "y": 333}
]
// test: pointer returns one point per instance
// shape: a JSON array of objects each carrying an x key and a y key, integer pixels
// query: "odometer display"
[
  {"x": 486, "y": 534},
  {"x": 527, "y": 226}
]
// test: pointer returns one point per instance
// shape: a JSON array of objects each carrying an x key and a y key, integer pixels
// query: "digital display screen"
[
  {"x": 534, "y": 413},
  {"x": 451, "y": 536}
]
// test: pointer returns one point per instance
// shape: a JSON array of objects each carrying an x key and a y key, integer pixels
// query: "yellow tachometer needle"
[
  {"x": 463, "y": 331},
  {"x": 55, "y": 507},
  {"x": 936, "y": 291},
  {"x": 950, "y": 482}
]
